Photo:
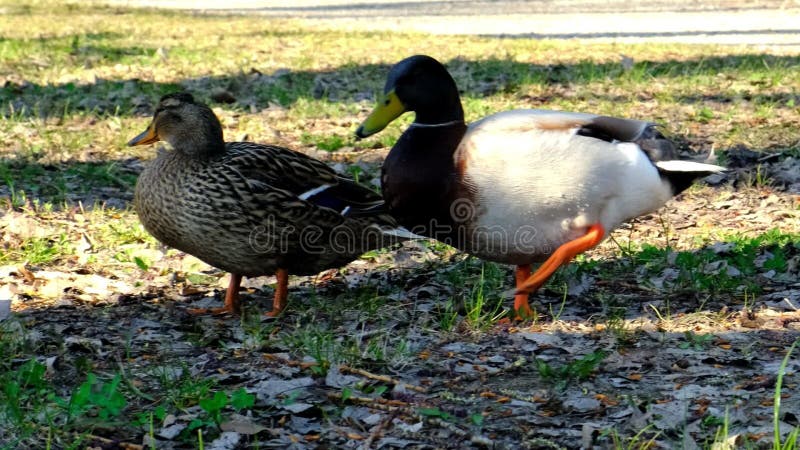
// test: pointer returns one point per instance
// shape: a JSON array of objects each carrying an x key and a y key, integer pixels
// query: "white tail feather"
[
  {"x": 400, "y": 232},
  {"x": 688, "y": 166}
]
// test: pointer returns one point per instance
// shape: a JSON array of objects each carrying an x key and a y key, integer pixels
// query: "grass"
[
  {"x": 578, "y": 370},
  {"x": 76, "y": 82},
  {"x": 790, "y": 443},
  {"x": 723, "y": 440},
  {"x": 61, "y": 183},
  {"x": 718, "y": 264},
  {"x": 114, "y": 72},
  {"x": 38, "y": 251},
  {"x": 33, "y": 404},
  {"x": 479, "y": 304},
  {"x": 321, "y": 343}
]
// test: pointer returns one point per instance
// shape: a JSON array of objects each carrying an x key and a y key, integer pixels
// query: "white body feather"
[{"x": 540, "y": 185}]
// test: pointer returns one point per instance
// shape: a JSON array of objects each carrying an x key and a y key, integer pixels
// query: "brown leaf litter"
[{"x": 676, "y": 361}]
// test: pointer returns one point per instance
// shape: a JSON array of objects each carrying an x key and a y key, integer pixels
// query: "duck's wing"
[
  {"x": 659, "y": 150},
  {"x": 604, "y": 128},
  {"x": 307, "y": 179}
]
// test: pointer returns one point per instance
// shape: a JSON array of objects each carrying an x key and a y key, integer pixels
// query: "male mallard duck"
[
  {"x": 519, "y": 186},
  {"x": 251, "y": 209}
]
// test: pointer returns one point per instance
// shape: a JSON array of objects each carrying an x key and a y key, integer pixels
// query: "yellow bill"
[
  {"x": 389, "y": 108},
  {"x": 148, "y": 136}
]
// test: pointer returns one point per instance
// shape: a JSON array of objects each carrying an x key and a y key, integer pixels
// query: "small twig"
[
  {"x": 521, "y": 361},
  {"x": 383, "y": 378},
  {"x": 377, "y": 403},
  {"x": 509, "y": 393},
  {"x": 466, "y": 435},
  {"x": 375, "y": 332},
  {"x": 624, "y": 284},
  {"x": 447, "y": 425},
  {"x": 130, "y": 385},
  {"x": 105, "y": 441},
  {"x": 291, "y": 362},
  {"x": 122, "y": 445},
  {"x": 770, "y": 156},
  {"x": 377, "y": 431}
]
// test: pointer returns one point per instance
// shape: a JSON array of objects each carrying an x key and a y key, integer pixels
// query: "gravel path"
[{"x": 764, "y": 23}]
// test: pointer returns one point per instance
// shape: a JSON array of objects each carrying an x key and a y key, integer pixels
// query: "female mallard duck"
[
  {"x": 251, "y": 209},
  {"x": 519, "y": 186}
]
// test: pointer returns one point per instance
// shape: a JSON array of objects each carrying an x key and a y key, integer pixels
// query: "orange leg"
[
  {"x": 521, "y": 306},
  {"x": 231, "y": 304},
  {"x": 561, "y": 256},
  {"x": 281, "y": 292}
]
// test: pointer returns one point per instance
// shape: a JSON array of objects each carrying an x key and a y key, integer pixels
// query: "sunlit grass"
[{"x": 69, "y": 61}]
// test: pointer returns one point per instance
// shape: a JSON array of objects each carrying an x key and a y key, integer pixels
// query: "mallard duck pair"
[
  {"x": 516, "y": 187},
  {"x": 251, "y": 209},
  {"x": 520, "y": 186}
]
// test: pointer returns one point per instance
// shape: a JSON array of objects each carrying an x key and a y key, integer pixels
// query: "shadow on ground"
[{"x": 358, "y": 82}]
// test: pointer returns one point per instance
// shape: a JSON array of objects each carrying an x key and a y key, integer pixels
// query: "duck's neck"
[
  {"x": 200, "y": 146},
  {"x": 446, "y": 111},
  {"x": 185, "y": 157},
  {"x": 432, "y": 140},
  {"x": 421, "y": 179}
]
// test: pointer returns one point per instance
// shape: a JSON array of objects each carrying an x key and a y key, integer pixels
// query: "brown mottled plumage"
[{"x": 251, "y": 209}]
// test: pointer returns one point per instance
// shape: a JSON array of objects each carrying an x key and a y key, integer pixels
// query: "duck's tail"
[
  {"x": 382, "y": 221},
  {"x": 400, "y": 233},
  {"x": 681, "y": 173},
  {"x": 660, "y": 150}
]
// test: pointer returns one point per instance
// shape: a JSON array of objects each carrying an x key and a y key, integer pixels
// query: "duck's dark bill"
[
  {"x": 389, "y": 108},
  {"x": 148, "y": 136}
]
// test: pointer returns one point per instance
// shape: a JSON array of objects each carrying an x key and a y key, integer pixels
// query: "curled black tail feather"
[
  {"x": 644, "y": 134},
  {"x": 655, "y": 145}
]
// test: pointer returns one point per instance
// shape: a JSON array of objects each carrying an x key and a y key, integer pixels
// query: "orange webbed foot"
[{"x": 561, "y": 256}]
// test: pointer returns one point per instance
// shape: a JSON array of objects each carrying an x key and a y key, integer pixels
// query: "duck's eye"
[{"x": 387, "y": 101}]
